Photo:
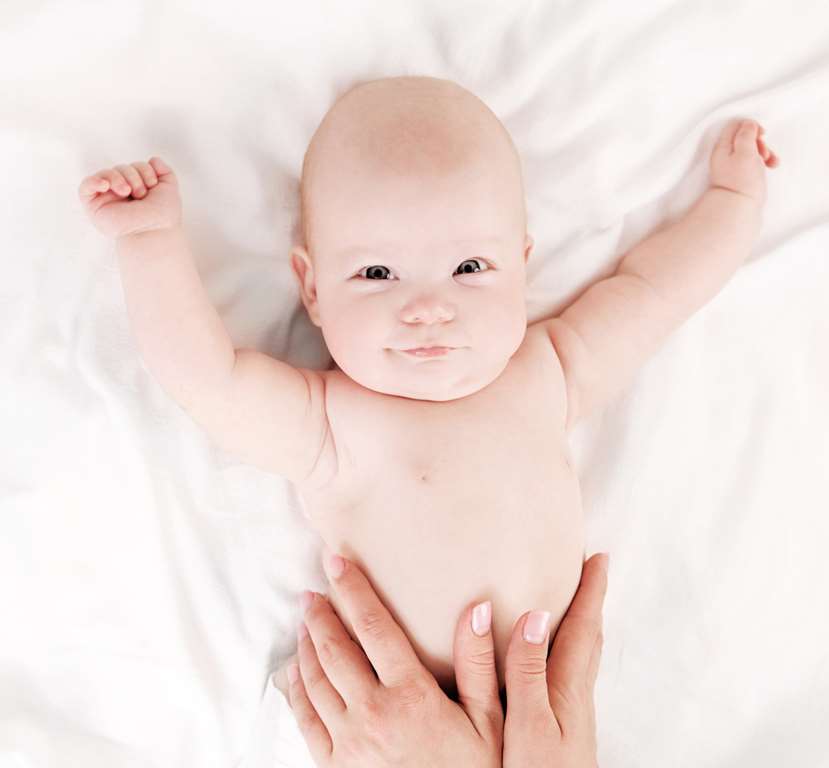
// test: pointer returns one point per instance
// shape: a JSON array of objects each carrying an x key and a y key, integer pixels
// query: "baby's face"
[
  {"x": 415, "y": 261},
  {"x": 415, "y": 248}
]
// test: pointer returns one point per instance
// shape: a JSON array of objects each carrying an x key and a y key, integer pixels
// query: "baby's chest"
[{"x": 442, "y": 463}]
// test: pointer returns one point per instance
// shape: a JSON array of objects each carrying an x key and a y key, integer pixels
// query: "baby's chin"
[
  {"x": 423, "y": 379},
  {"x": 438, "y": 392}
]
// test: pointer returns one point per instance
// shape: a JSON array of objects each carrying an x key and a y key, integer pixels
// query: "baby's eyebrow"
[{"x": 389, "y": 245}]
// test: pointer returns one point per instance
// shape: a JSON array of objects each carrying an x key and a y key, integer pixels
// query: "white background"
[{"x": 148, "y": 583}]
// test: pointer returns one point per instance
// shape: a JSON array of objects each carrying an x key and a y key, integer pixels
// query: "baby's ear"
[{"x": 304, "y": 271}]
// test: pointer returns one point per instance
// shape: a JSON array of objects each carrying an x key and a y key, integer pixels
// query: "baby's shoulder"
[
  {"x": 538, "y": 346},
  {"x": 538, "y": 364}
]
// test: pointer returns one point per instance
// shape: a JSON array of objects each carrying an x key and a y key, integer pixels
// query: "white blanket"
[{"x": 148, "y": 583}]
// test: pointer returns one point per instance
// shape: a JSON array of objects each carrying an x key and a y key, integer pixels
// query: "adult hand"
[
  {"x": 551, "y": 718},
  {"x": 401, "y": 717}
]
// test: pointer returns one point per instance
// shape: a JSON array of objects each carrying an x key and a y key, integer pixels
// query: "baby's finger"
[
  {"x": 725, "y": 144},
  {"x": 116, "y": 181},
  {"x": 91, "y": 186},
  {"x": 133, "y": 179},
  {"x": 147, "y": 173},
  {"x": 746, "y": 139},
  {"x": 162, "y": 170}
]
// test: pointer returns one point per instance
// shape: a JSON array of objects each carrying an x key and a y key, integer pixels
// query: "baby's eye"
[
  {"x": 470, "y": 261},
  {"x": 372, "y": 272}
]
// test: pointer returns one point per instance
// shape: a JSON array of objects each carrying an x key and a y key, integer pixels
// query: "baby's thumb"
[
  {"x": 746, "y": 138},
  {"x": 162, "y": 170},
  {"x": 475, "y": 673},
  {"x": 526, "y": 672}
]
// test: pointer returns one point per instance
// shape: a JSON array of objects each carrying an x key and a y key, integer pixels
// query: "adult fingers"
[
  {"x": 595, "y": 659},
  {"x": 526, "y": 667},
  {"x": 313, "y": 730},
  {"x": 343, "y": 661},
  {"x": 326, "y": 700},
  {"x": 569, "y": 673},
  {"x": 475, "y": 673},
  {"x": 381, "y": 638}
]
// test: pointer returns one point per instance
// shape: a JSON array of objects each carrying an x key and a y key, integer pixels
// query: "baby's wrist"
[
  {"x": 145, "y": 234},
  {"x": 743, "y": 198}
]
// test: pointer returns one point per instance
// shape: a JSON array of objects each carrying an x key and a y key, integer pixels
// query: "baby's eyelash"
[{"x": 474, "y": 272}]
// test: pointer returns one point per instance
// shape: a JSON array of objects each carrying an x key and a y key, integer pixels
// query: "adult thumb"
[
  {"x": 475, "y": 673},
  {"x": 526, "y": 666}
]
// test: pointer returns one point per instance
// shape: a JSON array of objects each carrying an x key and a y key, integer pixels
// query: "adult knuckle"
[
  {"x": 305, "y": 719},
  {"x": 371, "y": 622},
  {"x": 481, "y": 661},
  {"x": 329, "y": 651},
  {"x": 313, "y": 678},
  {"x": 374, "y": 719},
  {"x": 411, "y": 693},
  {"x": 531, "y": 667},
  {"x": 370, "y": 708}
]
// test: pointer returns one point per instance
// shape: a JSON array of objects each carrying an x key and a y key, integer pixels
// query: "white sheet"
[{"x": 148, "y": 583}]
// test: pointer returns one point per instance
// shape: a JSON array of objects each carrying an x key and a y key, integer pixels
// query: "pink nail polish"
[
  {"x": 536, "y": 627},
  {"x": 482, "y": 618}
]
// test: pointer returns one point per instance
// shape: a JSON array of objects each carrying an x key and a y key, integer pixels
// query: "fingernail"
[
  {"x": 333, "y": 564},
  {"x": 301, "y": 631},
  {"x": 536, "y": 627},
  {"x": 482, "y": 618},
  {"x": 605, "y": 561}
]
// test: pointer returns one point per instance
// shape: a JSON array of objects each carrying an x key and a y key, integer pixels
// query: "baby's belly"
[{"x": 432, "y": 545}]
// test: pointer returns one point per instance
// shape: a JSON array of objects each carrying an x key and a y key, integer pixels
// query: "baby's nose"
[{"x": 428, "y": 311}]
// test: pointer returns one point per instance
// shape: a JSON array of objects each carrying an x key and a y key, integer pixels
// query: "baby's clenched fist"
[
  {"x": 739, "y": 160},
  {"x": 128, "y": 199}
]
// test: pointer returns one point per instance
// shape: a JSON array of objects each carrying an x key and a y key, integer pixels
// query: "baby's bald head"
[
  {"x": 415, "y": 234},
  {"x": 414, "y": 127}
]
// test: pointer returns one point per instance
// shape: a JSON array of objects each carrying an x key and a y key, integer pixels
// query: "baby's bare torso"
[{"x": 443, "y": 504}]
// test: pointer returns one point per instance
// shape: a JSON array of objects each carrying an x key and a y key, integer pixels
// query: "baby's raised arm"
[
  {"x": 258, "y": 408},
  {"x": 180, "y": 336},
  {"x": 604, "y": 336}
]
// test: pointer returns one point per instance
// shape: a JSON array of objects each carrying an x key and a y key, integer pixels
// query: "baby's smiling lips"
[{"x": 428, "y": 351}]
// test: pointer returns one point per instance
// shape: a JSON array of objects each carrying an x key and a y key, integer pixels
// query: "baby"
[{"x": 434, "y": 454}]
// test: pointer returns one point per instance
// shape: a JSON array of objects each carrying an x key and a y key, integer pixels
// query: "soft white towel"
[{"x": 148, "y": 582}]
